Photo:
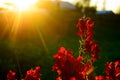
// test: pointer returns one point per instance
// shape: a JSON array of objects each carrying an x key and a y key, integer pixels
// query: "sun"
[{"x": 21, "y": 5}]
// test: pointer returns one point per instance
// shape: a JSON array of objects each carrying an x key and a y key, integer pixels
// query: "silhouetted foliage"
[{"x": 89, "y": 11}]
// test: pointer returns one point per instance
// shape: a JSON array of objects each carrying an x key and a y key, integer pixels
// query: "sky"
[
  {"x": 113, "y": 5},
  {"x": 69, "y": 0}
]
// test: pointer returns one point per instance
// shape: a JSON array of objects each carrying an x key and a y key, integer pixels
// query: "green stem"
[{"x": 87, "y": 77}]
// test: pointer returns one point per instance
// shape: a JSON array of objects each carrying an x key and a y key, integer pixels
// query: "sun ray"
[
  {"x": 3, "y": 33},
  {"x": 15, "y": 26},
  {"x": 42, "y": 39}
]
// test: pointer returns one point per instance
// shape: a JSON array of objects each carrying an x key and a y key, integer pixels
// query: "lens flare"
[{"x": 21, "y": 5}]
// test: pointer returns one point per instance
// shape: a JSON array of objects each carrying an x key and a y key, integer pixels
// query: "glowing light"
[
  {"x": 107, "y": 4},
  {"x": 24, "y": 4},
  {"x": 68, "y": 1},
  {"x": 113, "y": 5},
  {"x": 20, "y": 5}
]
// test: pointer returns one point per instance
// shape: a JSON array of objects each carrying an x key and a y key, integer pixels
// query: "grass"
[{"x": 41, "y": 36}]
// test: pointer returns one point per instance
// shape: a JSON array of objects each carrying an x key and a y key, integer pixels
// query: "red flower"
[
  {"x": 95, "y": 50},
  {"x": 33, "y": 74},
  {"x": 86, "y": 33},
  {"x": 117, "y": 69},
  {"x": 72, "y": 78},
  {"x": 58, "y": 78},
  {"x": 112, "y": 70},
  {"x": 70, "y": 68},
  {"x": 67, "y": 66},
  {"x": 89, "y": 32},
  {"x": 11, "y": 75},
  {"x": 88, "y": 45},
  {"x": 89, "y": 23},
  {"x": 88, "y": 68},
  {"x": 81, "y": 26},
  {"x": 79, "y": 58},
  {"x": 85, "y": 26},
  {"x": 99, "y": 78}
]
